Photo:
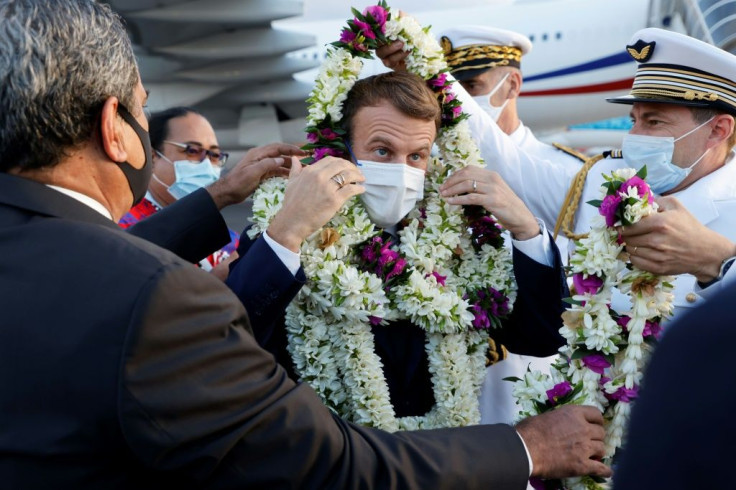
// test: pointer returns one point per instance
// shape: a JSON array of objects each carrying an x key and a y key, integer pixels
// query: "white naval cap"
[
  {"x": 473, "y": 49},
  {"x": 678, "y": 69}
]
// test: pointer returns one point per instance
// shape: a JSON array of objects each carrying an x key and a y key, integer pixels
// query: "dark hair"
[
  {"x": 59, "y": 62},
  {"x": 405, "y": 91},
  {"x": 158, "y": 124}
]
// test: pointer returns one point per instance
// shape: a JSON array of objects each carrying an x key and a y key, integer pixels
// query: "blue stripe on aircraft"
[{"x": 613, "y": 60}]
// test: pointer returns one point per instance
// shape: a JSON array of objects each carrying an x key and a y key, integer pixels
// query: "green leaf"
[
  {"x": 595, "y": 202},
  {"x": 513, "y": 379},
  {"x": 642, "y": 173},
  {"x": 571, "y": 301},
  {"x": 580, "y": 353}
]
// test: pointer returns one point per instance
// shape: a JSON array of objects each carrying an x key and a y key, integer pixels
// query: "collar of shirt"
[
  {"x": 153, "y": 201},
  {"x": 84, "y": 199}
]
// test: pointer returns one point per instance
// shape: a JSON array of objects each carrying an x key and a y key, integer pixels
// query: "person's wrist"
[
  {"x": 527, "y": 232},
  {"x": 285, "y": 234},
  {"x": 713, "y": 271},
  {"x": 221, "y": 193}
]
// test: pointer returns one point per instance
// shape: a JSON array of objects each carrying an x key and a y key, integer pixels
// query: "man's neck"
[{"x": 82, "y": 173}]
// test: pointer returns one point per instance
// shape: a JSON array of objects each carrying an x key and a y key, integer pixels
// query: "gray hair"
[{"x": 60, "y": 60}]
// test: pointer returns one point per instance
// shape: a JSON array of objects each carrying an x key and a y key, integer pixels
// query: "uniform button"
[{"x": 691, "y": 297}]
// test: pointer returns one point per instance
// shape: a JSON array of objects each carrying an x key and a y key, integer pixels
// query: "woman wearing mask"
[{"x": 186, "y": 157}]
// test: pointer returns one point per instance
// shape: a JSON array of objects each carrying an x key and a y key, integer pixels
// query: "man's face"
[
  {"x": 485, "y": 82},
  {"x": 673, "y": 120},
  {"x": 383, "y": 134},
  {"x": 190, "y": 129}
]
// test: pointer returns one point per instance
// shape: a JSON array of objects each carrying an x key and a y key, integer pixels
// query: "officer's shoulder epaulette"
[
  {"x": 570, "y": 151},
  {"x": 613, "y": 154}
]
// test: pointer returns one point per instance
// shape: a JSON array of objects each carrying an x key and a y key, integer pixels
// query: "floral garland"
[
  {"x": 439, "y": 275},
  {"x": 602, "y": 363}
]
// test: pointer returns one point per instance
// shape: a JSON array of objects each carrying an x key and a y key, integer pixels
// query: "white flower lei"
[
  {"x": 328, "y": 323},
  {"x": 590, "y": 325}
]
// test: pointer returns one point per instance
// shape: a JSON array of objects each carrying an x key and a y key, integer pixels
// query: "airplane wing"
[{"x": 223, "y": 58}]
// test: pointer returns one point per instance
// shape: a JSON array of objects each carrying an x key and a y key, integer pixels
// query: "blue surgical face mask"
[
  {"x": 656, "y": 153},
  {"x": 190, "y": 176}
]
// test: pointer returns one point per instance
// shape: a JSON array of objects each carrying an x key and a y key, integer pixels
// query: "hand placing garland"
[
  {"x": 606, "y": 351},
  {"x": 447, "y": 272}
]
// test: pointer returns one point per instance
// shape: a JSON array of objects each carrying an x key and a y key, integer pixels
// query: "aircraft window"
[
  {"x": 544, "y": 36},
  {"x": 315, "y": 56},
  {"x": 531, "y": 37},
  {"x": 558, "y": 36}
]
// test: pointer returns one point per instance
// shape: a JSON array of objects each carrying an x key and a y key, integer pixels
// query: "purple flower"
[
  {"x": 320, "y": 153},
  {"x": 590, "y": 284},
  {"x": 439, "y": 81},
  {"x": 379, "y": 14},
  {"x": 481, "y": 319},
  {"x": 623, "y": 321},
  {"x": 369, "y": 255},
  {"x": 652, "y": 328},
  {"x": 642, "y": 188},
  {"x": 623, "y": 394},
  {"x": 440, "y": 279},
  {"x": 608, "y": 208},
  {"x": 347, "y": 36},
  {"x": 398, "y": 268},
  {"x": 596, "y": 363},
  {"x": 351, "y": 39},
  {"x": 560, "y": 390},
  {"x": 374, "y": 320},
  {"x": 387, "y": 255},
  {"x": 329, "y": 134},
  {"x": 365, "y": 29},
  {"x": 312, "y": 137}
]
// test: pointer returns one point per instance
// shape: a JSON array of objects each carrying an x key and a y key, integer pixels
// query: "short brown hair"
[
  {"x": 405, "y": 91},
  {"x": 703, "y": 114}
]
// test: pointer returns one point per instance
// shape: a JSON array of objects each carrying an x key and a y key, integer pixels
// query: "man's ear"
[
  {"x": 515, "y": 78},
  {"x": 111, "y": 131},
  {"x": 722, "y": 128}
]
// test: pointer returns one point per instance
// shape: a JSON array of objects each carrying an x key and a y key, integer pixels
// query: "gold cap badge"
[{"x": 641, "y": 51}]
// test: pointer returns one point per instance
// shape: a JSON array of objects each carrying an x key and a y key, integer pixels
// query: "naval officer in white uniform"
[{"x": 487, "y": 63}]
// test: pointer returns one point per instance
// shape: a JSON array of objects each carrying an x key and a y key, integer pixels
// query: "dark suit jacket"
[
  {"x": 123, "y": 366},
  {"x": 265, "y": 286},
  {"x": 191, "y": 227},
  {"x": 683, "y": 429}
]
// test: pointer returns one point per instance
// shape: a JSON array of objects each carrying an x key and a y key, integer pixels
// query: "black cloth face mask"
[{"x": 137, "y": 178}]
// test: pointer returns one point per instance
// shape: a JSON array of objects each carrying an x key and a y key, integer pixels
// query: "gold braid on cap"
[
  {"x": 566, "y": 218},
  {"x": 496, "y": 56}
]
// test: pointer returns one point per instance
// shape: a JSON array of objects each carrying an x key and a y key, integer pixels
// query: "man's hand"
[
  {"x": 481, "y": 187},
  {"x": 673, "y": 241},
  {"x": 393, "y": 55},
  {"x": 259, "y": 164},
  {"x": 566, "y": 442},
  {"x": 312, "y": 197}
]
